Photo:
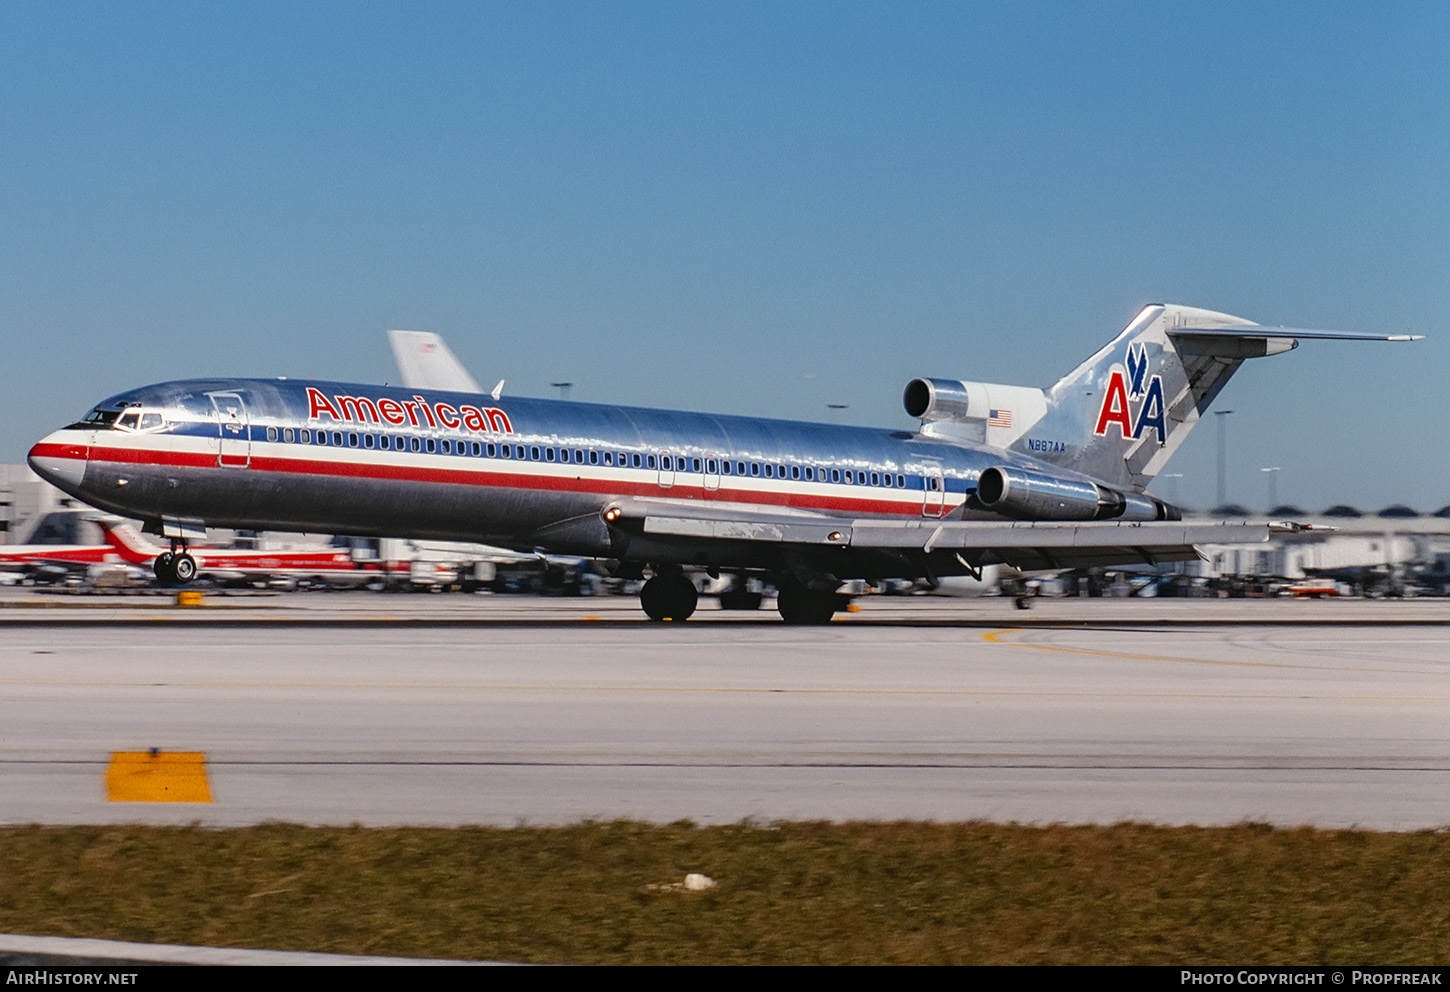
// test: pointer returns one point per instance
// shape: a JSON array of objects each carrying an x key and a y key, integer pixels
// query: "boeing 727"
[{"x": 1035, "y": 478}]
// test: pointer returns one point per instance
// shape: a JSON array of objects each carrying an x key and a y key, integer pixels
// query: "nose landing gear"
[{"x": 174, "y": 569}]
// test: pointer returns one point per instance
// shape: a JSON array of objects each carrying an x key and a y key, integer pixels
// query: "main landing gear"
[
  {"x": 804, "y": 606},
  {"x": 672, "y": 596},
  {"x": 669, "y": 596},
  {"x": 173, "y": 568}
]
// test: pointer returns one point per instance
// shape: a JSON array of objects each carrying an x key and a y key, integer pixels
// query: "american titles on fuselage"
[
  {"x": 416, "y": 412},
  {"x": 1125, "y": 386}
]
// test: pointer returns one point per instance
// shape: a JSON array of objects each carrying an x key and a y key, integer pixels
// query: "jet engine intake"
[{"x": 942, "y": 399}]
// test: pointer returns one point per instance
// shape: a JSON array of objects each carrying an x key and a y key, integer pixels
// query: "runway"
[{"x": 416, "y": 710}]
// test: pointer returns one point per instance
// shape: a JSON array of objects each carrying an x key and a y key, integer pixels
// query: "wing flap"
[{"x": 1049, "y": 543}]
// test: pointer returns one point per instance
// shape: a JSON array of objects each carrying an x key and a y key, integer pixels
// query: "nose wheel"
[{"x": 174, "y": 568}]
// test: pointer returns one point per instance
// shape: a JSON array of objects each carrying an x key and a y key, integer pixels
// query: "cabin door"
[
  {"x": 934, "y": 490},
  {"x": 234, "y": 433}
]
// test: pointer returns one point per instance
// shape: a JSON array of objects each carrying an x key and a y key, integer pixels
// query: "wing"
[{"x": 911, "y": 547}]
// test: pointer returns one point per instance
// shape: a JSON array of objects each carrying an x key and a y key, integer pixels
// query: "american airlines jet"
[{"x": 1034, "y": 478}]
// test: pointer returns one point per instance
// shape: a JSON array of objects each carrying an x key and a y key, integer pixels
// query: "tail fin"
[
  {"x": 425, "y": 362},
  {"x": 128, "y": 542},
  {"x": 1122, "y": 414}
]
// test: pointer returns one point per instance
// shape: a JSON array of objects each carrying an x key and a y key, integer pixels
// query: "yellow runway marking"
[{"x": 157, "y": 777}]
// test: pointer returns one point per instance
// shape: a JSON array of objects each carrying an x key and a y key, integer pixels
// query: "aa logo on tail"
[{"x": 1127, "y": 390}]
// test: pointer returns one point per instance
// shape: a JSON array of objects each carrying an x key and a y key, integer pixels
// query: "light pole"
[
  {"x": 1222, "y": 457},
  {"x": 1173, "y": 495},
  {"x": 563, "y": 388},
  {"x": 836, "y": 409},
  {"x": 1271, "y": 472}
]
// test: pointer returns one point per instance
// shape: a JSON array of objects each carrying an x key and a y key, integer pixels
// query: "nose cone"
[{"x": 60, "y": 459}]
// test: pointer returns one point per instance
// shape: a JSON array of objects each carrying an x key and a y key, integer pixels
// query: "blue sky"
[{"x": 741, "y": 207}]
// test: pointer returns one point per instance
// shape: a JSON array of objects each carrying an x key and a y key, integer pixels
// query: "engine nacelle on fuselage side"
[{"x": 1016, "y": 492}]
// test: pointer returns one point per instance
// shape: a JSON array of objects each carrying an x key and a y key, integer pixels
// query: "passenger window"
[
  {"x": 367, "y": 440},
  {"x": 901, "y": 482},
  {"x": 337, "y": 438},
  {"x": 770, "y": 471},
  {"x": 432, "y": 445},
  {"x": 305, "y": 436},
  {"x": 548, "y": 454},
  {"x": 352, "y": 439},
  {"x": 534, "y": 452},
  {"x": 835, "y": 475},
  {"x": 271, "y": 432},
  {"x": 755, "y": 468},
  {"x": 288, "y": 435},
  {"x": 415, "y": 444}
]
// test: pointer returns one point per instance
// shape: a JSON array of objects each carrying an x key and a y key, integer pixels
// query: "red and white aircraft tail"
[{"x": 333, "y": 566}]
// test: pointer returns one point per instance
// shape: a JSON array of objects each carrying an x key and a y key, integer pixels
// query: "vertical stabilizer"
[
  {"x": 1121, "y": 415},
  {"x": 425, "y": 362}
]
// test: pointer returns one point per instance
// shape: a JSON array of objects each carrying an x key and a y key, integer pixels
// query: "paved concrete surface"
[{"x": 451, "y": 710}]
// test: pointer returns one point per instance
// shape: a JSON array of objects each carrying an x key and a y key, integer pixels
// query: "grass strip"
[{"x": 795, "y": 893}]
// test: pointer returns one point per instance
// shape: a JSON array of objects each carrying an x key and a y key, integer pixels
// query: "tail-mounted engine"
[
  {"x": 1028, "y": 495},
  {"x": 969, "y": 410}
]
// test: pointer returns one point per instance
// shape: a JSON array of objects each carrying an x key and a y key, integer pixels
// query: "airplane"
[
  {"x": 1033, "y": 478},
  {"x": 56, "y": 547},
  {"x": 331, "y": 565},
  {"x": 54, "y": 558}
]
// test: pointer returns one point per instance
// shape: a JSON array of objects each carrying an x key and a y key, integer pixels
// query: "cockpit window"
[
  {"x": 98, "y": 420},
  {"x": 140, "y": 420}
]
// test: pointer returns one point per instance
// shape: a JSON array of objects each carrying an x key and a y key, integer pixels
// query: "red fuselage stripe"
[{"x": 604, "y": 488}]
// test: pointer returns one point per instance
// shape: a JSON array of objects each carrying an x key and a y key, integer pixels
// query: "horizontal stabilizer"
[{"x": 1259, "y": 331}]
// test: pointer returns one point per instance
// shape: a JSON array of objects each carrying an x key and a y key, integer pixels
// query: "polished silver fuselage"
[{"x": 522, "y": 473}]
